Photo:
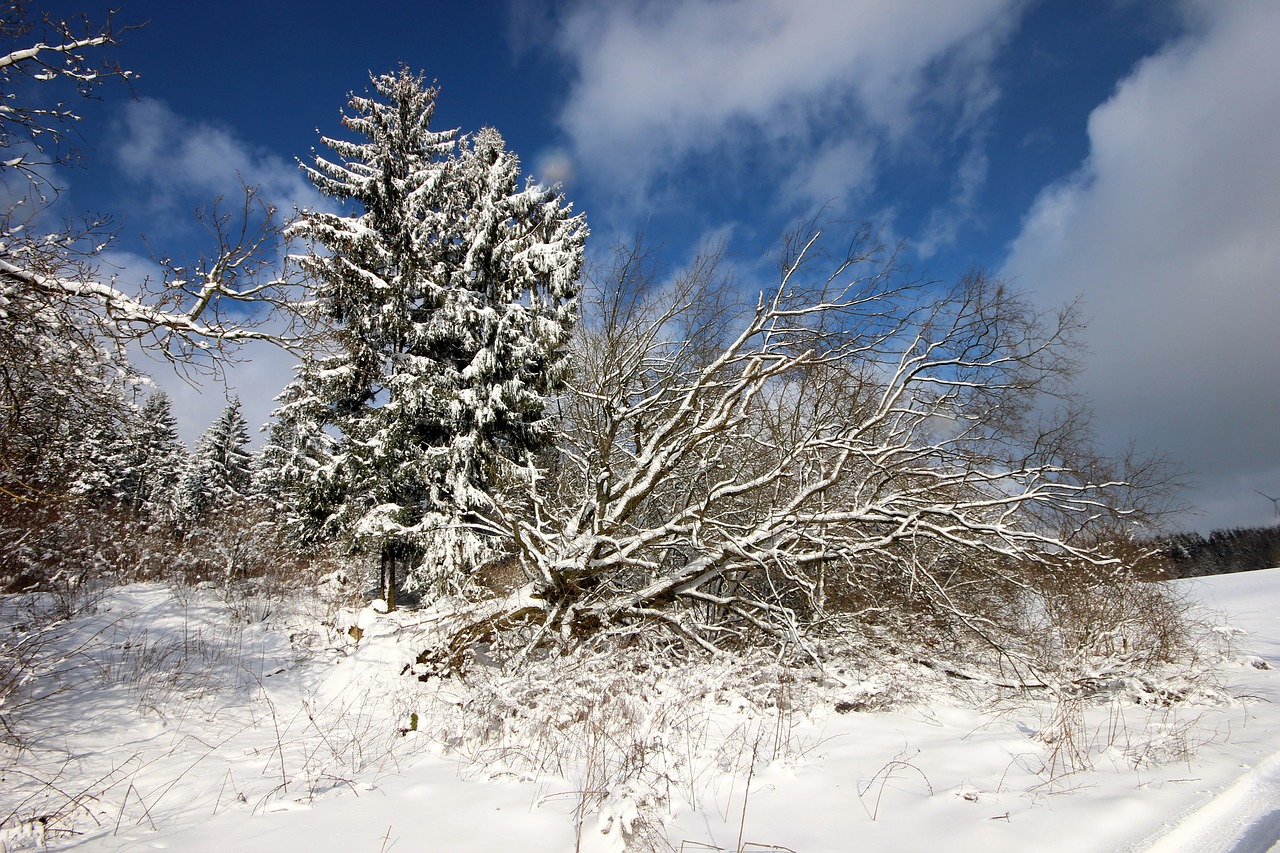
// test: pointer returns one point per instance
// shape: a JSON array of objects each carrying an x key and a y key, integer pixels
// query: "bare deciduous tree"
[
  {"x": 65, "y": 318},
  {"x": 230, "y": 295},
  {"x": 746, "y": 473},
  {"x": 68, "y": 52},
  {"x": 193, "y": 310}
]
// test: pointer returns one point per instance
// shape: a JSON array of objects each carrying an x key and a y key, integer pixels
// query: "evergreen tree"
[
  {"x": 452, "y": 291},
  {"x": 289, "y": 471},
  {"x": 156, "y": 460},
  {"x": 224, "y": 450},
  {"x": 63, "y": 394},
  {"x": 109, "y": 464},
  {"x": 220, "y": 471}
]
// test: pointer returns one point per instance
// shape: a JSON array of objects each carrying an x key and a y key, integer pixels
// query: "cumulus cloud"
[
  {"x": 176, "y": 159},
  {"x": 660, "y": 83},
  {"x": 1169, "y": 230}
]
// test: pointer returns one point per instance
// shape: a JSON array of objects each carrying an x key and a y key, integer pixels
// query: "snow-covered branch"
[
  {"x": 751, "y": 469},
  {"x": 192, "y": 313},
  {"x": 233, "y": 294},
  {"x": 53, "y": 52}
]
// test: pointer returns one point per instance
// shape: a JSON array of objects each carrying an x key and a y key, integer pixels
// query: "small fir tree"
[
  {"x": 220, "y": 471},
  {"x": 158, "y": 460},
  {"x": 290, "y": 470}
]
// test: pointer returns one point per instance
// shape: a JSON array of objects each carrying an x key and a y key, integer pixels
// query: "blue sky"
[{"x": 1121, "y": 151}]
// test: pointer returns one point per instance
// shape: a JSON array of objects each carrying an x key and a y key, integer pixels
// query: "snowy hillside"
[{"x": 200, "y": 721}]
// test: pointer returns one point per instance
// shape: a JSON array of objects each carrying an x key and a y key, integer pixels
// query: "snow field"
[{"x": 169, "y": 720}]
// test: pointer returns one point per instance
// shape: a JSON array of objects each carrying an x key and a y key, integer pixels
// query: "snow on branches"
[
  {"x": 194, "y": 314},
  {"x": 57, "y": 51},
  {"x": 847, "y": 445},
  {"x": 451, "y": 294},
  {"x": 66, "y": 319}
]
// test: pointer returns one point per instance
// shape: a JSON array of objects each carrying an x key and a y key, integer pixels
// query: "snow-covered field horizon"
[{"x": 185, "y": 719}]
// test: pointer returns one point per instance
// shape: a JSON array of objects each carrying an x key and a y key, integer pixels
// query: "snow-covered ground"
[{"x": 165, "y": 721}]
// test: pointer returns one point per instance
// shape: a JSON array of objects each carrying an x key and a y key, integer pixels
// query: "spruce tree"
[
  {"x": 291, "y": 470},
  {"x": 451, "y": 289},
  {"x": 146, "y": 460},
  {"x": 220, "y": 471}
]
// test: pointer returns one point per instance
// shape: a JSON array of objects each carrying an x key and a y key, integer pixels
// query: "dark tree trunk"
[
  {"x": 387, "y": 577},
  {"x": 382, "y": 573}
]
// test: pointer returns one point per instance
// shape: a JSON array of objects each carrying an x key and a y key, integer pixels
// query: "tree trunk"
[
  {"x": 387, "y": 577},
  {"x": 382, "y": 573}
]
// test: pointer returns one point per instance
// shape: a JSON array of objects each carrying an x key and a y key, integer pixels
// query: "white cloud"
[
  {"x": 838, "y": 174},
  {"x": 661, "y": 82},
  {"x": 1170, "y": 231},
  {"x": 178, "y": 160}
]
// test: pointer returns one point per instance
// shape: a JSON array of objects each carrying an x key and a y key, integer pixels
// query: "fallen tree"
[{"x": 852, "y": 447}]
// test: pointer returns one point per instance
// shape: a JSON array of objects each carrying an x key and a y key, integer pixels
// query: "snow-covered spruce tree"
[
  {"x": 290, "y": 471},
  {"x": 154, "y": 460},
  {"x": 451, "y": 289},
  {"x": 219, "y": 472},
  {"x": 64, "y": 415},
  {"x": 60, "y": 391}
]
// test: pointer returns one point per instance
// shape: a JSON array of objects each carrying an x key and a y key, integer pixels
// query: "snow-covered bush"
[{"x": 637, "y": 735}]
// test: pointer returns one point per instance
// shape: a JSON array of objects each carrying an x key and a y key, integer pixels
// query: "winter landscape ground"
[
  {"x": 563, "y": 537},
  {"x": 213, "y": 720}
]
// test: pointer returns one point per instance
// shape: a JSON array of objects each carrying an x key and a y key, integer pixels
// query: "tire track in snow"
[{"x": 1245, "y": 818}]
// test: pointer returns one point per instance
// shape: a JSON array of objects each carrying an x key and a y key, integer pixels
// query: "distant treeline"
[{"x": 1239, "y": 549}]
